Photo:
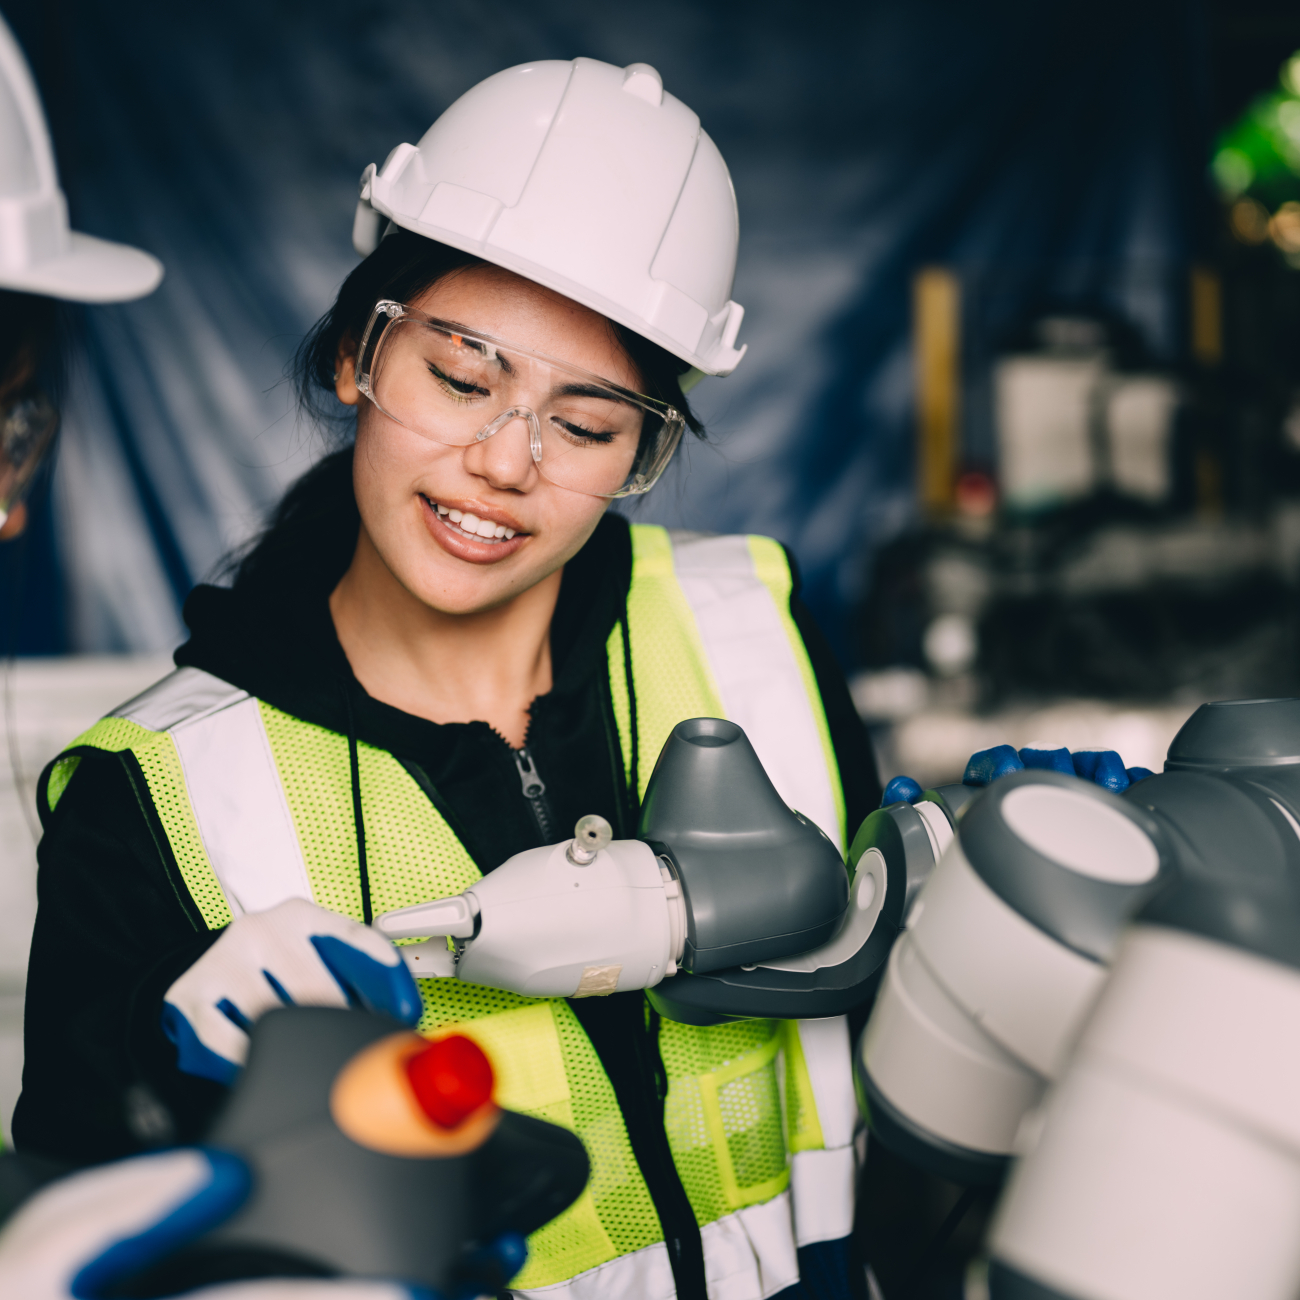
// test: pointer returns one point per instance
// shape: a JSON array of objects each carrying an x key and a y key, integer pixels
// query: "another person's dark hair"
[
  {"x": 33, "y": 343},
  {"x": 403, "y": 267}
]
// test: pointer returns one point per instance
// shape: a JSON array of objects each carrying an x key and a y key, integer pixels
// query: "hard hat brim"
[{"x": 91, "y": 270}]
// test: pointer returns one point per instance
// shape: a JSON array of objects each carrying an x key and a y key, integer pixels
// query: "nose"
[{"x": 504, "y": 457}]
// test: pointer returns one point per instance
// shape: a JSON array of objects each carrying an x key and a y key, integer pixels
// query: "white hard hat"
[
  {"x": 38, "y": 253},
  {"x": 586, "y": 178}
]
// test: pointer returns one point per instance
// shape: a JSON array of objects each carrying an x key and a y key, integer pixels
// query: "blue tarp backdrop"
[{"x": 1054, "y": 154}]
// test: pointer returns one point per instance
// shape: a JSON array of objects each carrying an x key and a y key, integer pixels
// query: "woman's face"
[{"x": 401, "y": 479}]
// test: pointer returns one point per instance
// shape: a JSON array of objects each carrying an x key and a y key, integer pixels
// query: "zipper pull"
[{"x": 533, "y": 786}]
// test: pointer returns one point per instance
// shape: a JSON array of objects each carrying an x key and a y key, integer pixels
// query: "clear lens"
[
  {"x": 27, "y": 427},
  {"x": 456, "y": 388}
]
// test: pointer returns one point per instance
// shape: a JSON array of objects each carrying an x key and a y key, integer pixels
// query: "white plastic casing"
[
  {"x": 977, "y": 1011},
  {"x": 38, "y": 253},
  {"x": 1167, "y": 1163},
  {"x": 548, "y": 928},
  {"x": 589, "y": 179}
]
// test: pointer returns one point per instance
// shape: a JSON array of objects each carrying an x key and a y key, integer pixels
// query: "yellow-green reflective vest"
[{"x": 257, "y": 807}]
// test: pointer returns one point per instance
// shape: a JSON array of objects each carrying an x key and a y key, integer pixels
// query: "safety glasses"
[{"x": 455, "y": 386}]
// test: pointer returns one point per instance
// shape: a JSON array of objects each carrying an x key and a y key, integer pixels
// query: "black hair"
[
  {"x": 314, "y": 528},
  {"x": 404, "y": 266}
]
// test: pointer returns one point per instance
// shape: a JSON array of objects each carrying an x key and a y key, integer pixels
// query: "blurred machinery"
[{"x": 1094, "y": 520}]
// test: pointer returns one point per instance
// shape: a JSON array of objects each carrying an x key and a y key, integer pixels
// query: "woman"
[{"x": 445, "y": 650}]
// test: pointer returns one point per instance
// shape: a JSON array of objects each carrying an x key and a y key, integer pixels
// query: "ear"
[{"x": 345, "y": 372}]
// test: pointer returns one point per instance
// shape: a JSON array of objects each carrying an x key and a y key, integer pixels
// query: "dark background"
[{"x": 1054, "y": 154}]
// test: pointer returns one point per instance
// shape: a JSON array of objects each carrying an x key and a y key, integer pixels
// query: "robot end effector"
[{"x": 728, "y": 904}]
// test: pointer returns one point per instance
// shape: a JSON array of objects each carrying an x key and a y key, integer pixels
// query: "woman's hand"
[
  {"x": 293, "y": 954},
  {"x": 84, "y": 1234}
]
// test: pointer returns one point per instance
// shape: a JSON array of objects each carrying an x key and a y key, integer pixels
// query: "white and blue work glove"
[
  {"x": 79, "y": 1237},
  {"x": 1103, "y": 767},
  {"x": 293, "y": 954}
]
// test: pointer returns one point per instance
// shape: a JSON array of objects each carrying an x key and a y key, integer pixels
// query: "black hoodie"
[{"x": 115, "y": 924}]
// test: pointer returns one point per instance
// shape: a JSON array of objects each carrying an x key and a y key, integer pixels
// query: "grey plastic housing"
[
  {"x": 323, "y": 1205},
  {"x": 759, "y": 879},
  {"x": 1230, "y": 800},
  {"x": 898, "y": 835},
  {"x": 1083, "y": 912}
]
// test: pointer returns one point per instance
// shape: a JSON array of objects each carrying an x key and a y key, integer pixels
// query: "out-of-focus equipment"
[
  {"x": 1167, "y": 1162},
  {"x": 38, "y": 252},
  {"x": 349, "y": 1149},
  {"x": 77, "y": 1238},
  {"x": 294, "y": 953},
  {"x": 729, "y": 904},
  {"x": 652, "y": 241},
  {"x": 1005, "y": 949}
]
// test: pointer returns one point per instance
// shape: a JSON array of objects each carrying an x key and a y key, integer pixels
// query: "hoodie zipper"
[{"x": 534, "y": 790}]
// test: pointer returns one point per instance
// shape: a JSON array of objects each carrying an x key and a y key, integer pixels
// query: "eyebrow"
[{"x": 590, "y": 390}]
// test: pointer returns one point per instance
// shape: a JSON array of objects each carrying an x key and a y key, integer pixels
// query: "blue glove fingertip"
[
  {"x": 1102, "y": 767},
  {"x": 389, "y": 989},
  {"x": 984, "y": 767},
  {"x": 1136, "y": 774},
  {"x": 1048, "y": 760},
  {"x": 902, "y": 789},
  {"x": 193, "y": 1056}
]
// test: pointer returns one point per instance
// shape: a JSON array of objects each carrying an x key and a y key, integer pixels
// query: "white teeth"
[{"x": 473, "y": 525}]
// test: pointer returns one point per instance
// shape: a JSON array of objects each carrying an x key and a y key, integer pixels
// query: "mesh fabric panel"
[
  {"x": 546, "y": 1067},
  {"x": 751, "y": 1116},
  {"x": 161, "y": 765},
  {"x": 670, "y": 671},
  {"x": 616, "y": 1186},
  {"x": 723, "y": 1090},
  {"x": 60, "y": 774},
  {"x": 691, "y": 1142},
  {"x": 412, "y": 855},
  {"x": 803, "y": 1126}
]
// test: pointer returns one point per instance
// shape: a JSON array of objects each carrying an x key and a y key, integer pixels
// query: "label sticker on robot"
[{"x": 598, "y": 981}]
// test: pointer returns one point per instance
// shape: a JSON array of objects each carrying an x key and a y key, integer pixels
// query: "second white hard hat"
[
  {"x": 589, "y": 179},
  {"x": 38, "y": 252}
]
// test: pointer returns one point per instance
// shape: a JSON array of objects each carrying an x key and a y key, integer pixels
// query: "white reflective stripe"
[
  {"x": 240, "y": 807},
  {"x": 748, "y": 1255},
  {"x": 756, "y": 671},
  {"x": 822, "y": 1189},
  {"x": 182, "y": 696},
  {"x": 826, "y": 1053},
  {"x": 645, "y": 1274}
]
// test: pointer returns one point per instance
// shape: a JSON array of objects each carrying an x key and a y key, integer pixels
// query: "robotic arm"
[
  {"x": 705, "y": 908},
  {"x": 1166, "y": 1163}
]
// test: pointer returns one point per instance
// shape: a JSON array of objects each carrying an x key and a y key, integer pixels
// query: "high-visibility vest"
[{"x": 760, "y": 1114}]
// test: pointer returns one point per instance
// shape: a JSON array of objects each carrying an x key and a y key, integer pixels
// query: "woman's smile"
[{"x": 471, "y": 531}]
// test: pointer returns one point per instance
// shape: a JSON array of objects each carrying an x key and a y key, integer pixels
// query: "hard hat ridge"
[{"x": 589, "y": 179}]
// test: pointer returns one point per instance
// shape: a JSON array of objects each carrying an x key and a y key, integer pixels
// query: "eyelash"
[
  {"x": 587, "y": 435},
  {"x": 459, "y": 390},
  {"x": 463, "y": 392}
]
